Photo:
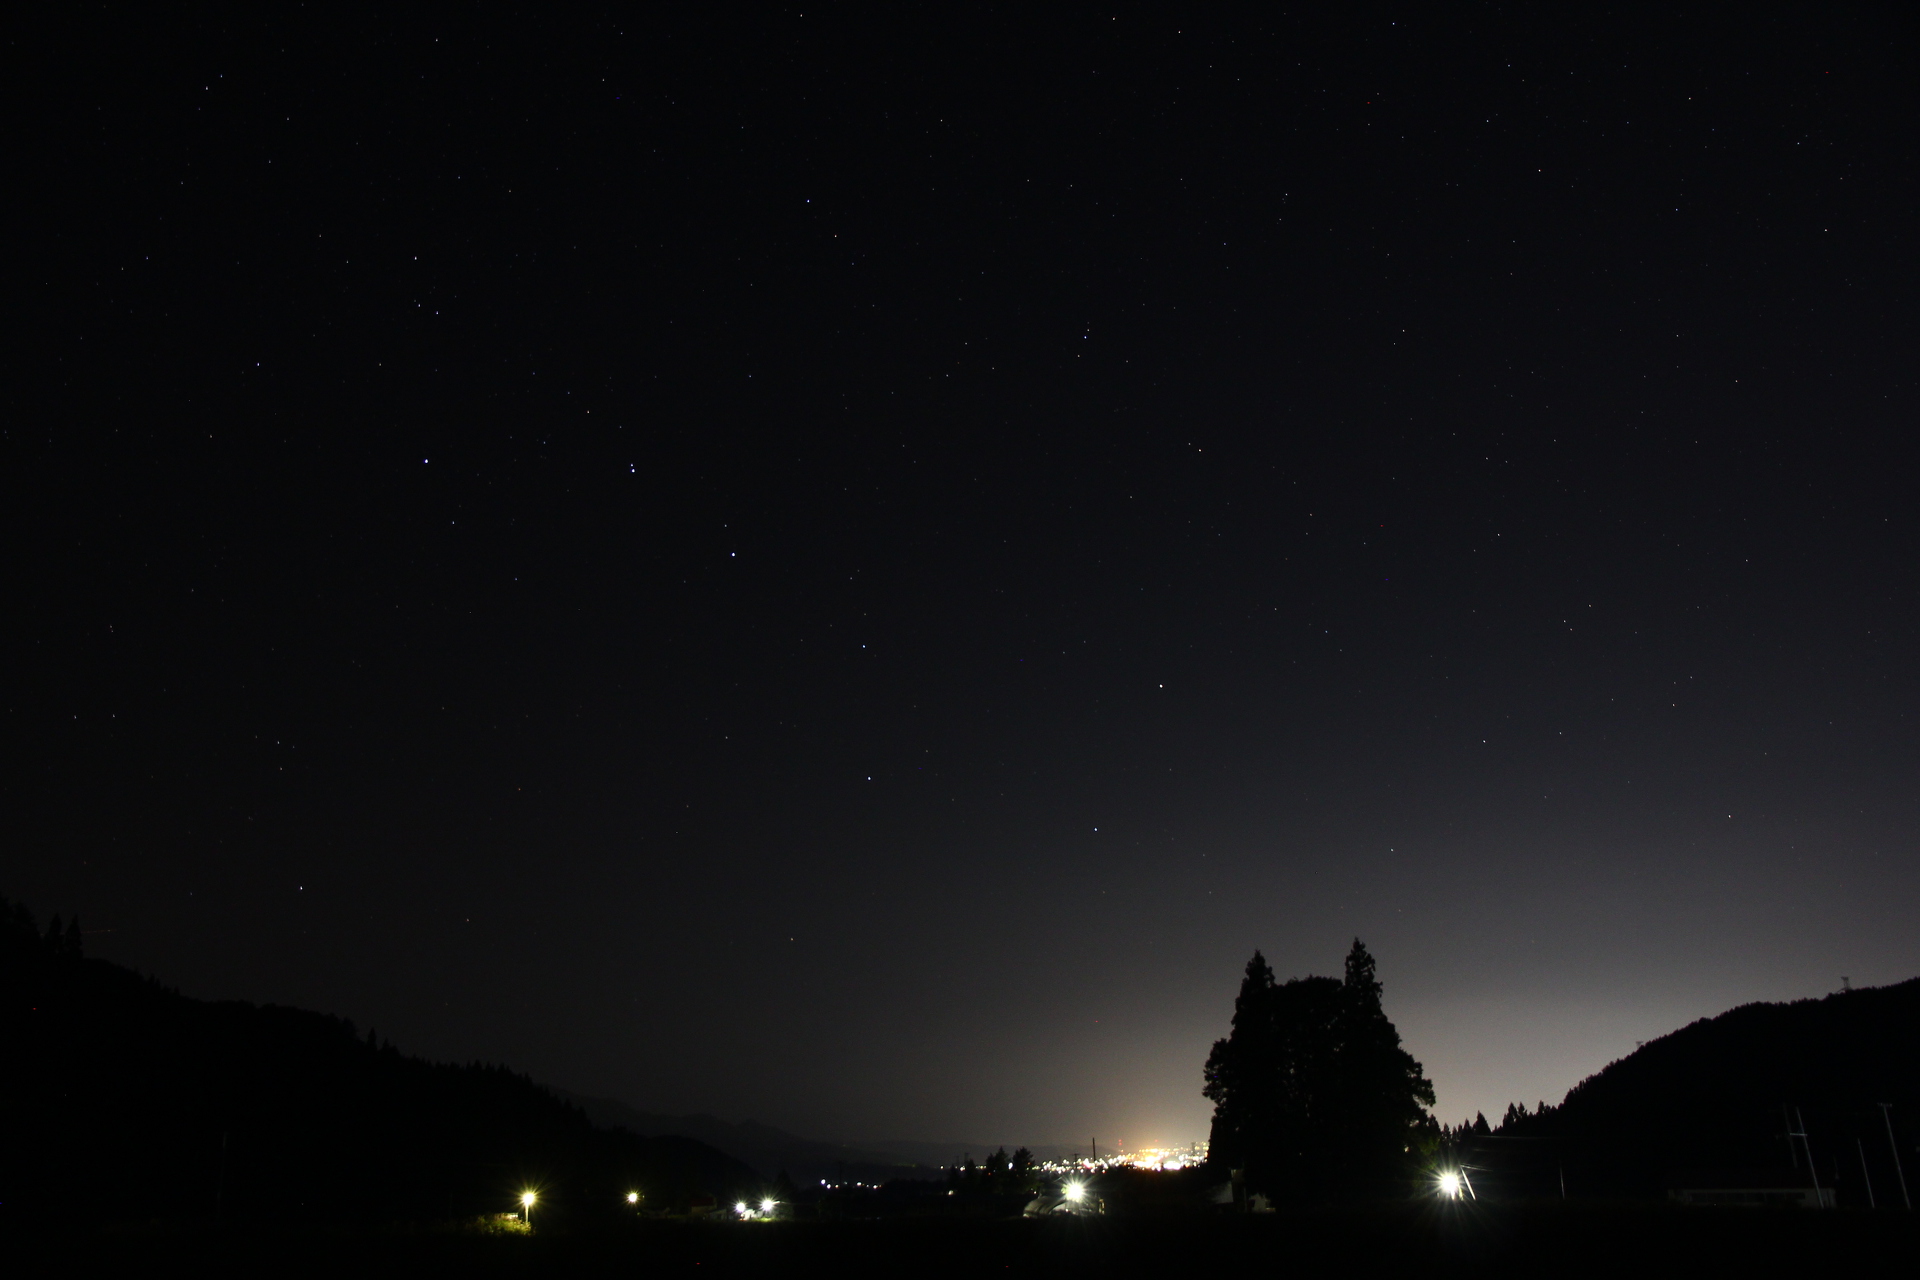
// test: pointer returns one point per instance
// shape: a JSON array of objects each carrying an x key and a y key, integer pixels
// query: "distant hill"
[
  {"x": 1723, "y": 1093},
  {"x": 806, "y": 1159},
  {"x": 940, "y": 1154},
  {"x": 121, "y": 1099},
  {"x": 765, "y": 1148}
]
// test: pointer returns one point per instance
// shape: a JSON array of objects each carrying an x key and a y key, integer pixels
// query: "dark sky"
[{"x": 847, "y": 565}]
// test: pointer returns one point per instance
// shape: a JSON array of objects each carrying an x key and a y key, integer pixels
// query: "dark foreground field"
[{"x": 1409, "y": 1241}]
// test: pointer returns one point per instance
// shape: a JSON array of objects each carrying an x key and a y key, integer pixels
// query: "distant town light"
[
  {"x": 633, "y": 1197},
  {"x": 1076, "y": 1192}
]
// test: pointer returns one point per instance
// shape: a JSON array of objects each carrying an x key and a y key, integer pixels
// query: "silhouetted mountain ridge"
[
  {"x": 771, "y": 1149},
  {"x": 124, "y": 1099},
  {"x": 1724, "y": 1092},
  {"x": 766, "y": 1148}
]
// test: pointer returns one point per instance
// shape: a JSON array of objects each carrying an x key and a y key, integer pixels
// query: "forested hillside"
[
  {"x": 125, "y": 1100},
  {"x": 1725, "y": 1092}
]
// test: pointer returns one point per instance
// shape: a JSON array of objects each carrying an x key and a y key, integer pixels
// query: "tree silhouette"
[
  {"x": 1313, "y": 1095},
  {"x": 1243, "y": 1075},
  {"x": 63, "y": 943},
  {"x": 1381, "y": 1094}
]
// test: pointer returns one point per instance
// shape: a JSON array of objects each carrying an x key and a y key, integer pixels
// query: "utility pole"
[
  {"x": 1819, "y": 1197},
  {"x": 1865, "y": 1176},
  {"x": 220, "y": 1187},
  {"x": 1886, "y": 1114}
]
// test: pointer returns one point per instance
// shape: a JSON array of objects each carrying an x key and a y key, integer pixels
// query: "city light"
[
  {"x": 1450, "y": 1185},
  {"x": 1154, "y": 1158}
]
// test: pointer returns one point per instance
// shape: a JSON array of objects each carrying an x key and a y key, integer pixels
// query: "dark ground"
[{"x": 1403, "y": 1240}]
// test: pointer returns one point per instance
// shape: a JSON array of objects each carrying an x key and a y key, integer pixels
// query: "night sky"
[{"x": 847, "y": 565}]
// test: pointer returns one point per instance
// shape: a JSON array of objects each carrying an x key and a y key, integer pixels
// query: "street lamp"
[
  {"x": 1450, "y": 1186},
  {"x": 633, "y": 1197},
  {"x": 1076, "y": 1192},
  {"x": 526, "y": 1205}
]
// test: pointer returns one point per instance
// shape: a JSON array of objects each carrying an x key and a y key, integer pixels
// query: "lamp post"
[{"x": 526, "y": 1207}]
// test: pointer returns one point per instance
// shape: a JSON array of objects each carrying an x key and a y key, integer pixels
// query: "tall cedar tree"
[{"x": 1313, "y": 1095}]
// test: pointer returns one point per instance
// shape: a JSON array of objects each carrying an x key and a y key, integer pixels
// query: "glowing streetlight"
[
  {"x": 766, "y": 1206},
  {"x": 1450, "y": 1186},
  {"x": 526, "y": 1204},
  {"x": 741, "y": 1208},
  {"x": 633, "y": 1197},
  {"x": 1076, "y": 1192}
]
